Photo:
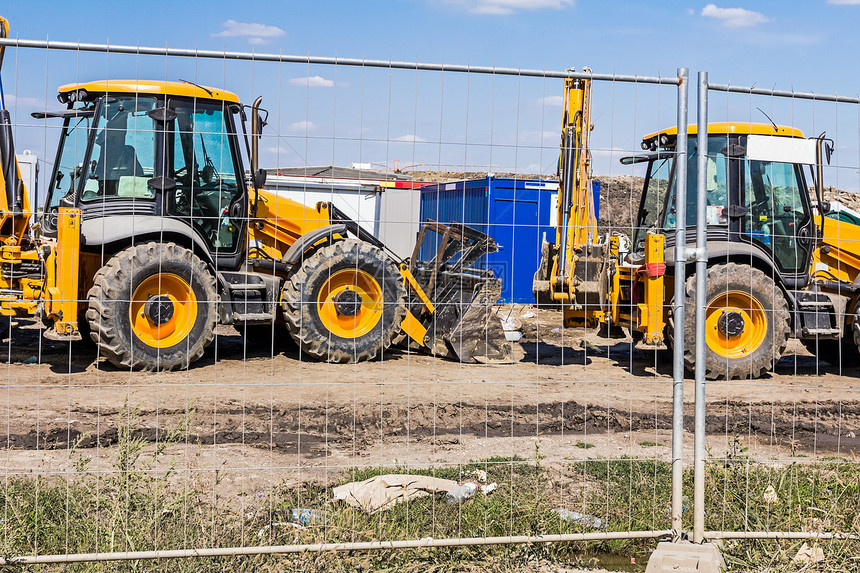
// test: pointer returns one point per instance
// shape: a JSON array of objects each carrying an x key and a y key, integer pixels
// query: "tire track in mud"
[{"x": 824, "y": 425}]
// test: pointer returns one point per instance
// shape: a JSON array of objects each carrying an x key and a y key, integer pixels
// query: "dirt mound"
[
  {"x": 619, "y": 202},
  {"x": 448, "y": 176},
  {"x": 850, "y": 200}
]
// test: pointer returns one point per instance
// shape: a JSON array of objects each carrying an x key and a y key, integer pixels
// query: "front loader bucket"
[
  {"x": 478, "y": 336},
  {"x": 463, "y": 325}
]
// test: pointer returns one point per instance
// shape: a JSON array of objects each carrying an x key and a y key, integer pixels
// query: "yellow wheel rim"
[
  {"x": 179, "y": 310},
  {"x": 350, "y": 303},
  {"x": 735, "y": 324}
]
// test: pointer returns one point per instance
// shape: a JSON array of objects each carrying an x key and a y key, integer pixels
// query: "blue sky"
[{"x": 324, "y": 115}]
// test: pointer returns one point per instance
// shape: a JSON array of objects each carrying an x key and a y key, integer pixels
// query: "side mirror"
[{"x": 260, "y": 178}]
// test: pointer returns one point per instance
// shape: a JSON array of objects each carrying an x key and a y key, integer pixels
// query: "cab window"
[
  {"x": 716, "y": 182},
  {"x": 73, "y": 147},
  {"x": 775, "y": 211},
  {"x": 123, "y": 156},
  {"x": 203, "y": 168}
]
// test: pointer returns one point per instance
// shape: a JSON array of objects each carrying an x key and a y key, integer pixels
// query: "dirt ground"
[{"x": 260, "y": 416}]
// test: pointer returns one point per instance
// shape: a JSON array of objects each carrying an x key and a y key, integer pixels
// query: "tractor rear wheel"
[
  {"x": 153, "y": 307},
  {"x": 746, "y": 322},
  {"x": 345, "y": 302}
]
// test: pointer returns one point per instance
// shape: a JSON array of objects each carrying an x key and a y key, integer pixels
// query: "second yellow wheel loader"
[
  {"x": 777, "y": 269},
  {"x": 152, "y": 234}
]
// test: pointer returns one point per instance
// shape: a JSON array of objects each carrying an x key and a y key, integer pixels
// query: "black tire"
[
  {"x": 751, "y": 282},
  {"x": 299, "y": 301},
  {"x": 110, "y": 299},
  {"x": 85, "y": 330}
]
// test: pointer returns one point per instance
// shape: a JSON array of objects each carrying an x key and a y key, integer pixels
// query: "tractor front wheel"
[
  {"x": 153, "y": 307},
  {"x": 345, "y": 302}
]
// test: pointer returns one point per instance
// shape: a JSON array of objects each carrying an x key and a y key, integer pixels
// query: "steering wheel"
[{"x": 759, "y": 206}]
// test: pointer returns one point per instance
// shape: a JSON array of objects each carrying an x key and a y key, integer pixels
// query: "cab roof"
[
  {"x": 183, "y": 89},
  {"x": 725, "y": 128}
]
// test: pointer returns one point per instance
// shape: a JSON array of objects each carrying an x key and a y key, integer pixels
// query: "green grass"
[
  {"x": 134, "y": 508},
  {"x": 649, "y": 444},
  {"x": 584, "y": 445}
]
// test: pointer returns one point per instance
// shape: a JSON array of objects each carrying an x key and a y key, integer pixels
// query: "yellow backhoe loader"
[
  {"x": 777, "y": 268},
  {"x": 152, "y": 234}
]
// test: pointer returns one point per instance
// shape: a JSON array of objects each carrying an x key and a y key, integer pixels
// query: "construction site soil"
[{"x": 262, "y": 415}]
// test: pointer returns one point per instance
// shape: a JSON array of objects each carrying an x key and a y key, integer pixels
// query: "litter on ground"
[{"x": 381, "y": 492}]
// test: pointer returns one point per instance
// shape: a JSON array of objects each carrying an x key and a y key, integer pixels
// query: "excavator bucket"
[{"x": 463, "y": 324}]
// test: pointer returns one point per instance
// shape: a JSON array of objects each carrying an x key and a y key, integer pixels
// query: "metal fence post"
[
  {"x": 678, "y": 306},
  {"x": 701, "y": 301}
]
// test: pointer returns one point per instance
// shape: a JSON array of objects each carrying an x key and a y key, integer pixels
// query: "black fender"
[
  {"x": 118, "y": 231},
  {"x": 306, "y": 241}
]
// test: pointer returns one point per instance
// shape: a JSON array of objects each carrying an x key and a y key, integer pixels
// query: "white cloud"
[
  {"x": 312, "y": 81},
  {"x": 844, "y": 2},
  {"x": 552, "y": 101},
  {"x": 505, "y": 7},
  {"x": 301, "y": 126},
  {"x": 232, "y": 28},
  {"x": 409, "y": 138},
  {"x": 25, "y": 101},
  {"x": 257, "y": 41},
  {"x": 734, "y": 17}
]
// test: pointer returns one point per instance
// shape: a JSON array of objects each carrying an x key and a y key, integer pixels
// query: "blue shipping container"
[{"x": 514, "y": 212}]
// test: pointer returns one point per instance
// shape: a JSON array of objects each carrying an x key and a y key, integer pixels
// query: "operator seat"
[{"x": 127, "y": 164}]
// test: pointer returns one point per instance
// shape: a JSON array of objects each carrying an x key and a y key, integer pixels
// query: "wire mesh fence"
[
  {"x": 278, "y": 353},
  {"x": 779, "y": 467}
]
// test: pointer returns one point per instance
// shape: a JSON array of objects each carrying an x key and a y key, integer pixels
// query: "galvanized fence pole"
[
  {"x": 701, "y": 276},
  {"x": 678, "y": 306}
]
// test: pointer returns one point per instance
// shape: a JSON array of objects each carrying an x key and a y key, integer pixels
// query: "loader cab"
[
  {"x": 151, "y": 158},
  {"x": 763, "y": 204}
]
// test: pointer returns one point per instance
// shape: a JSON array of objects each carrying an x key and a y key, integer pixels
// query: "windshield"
[
  {"x": 654, "y": 197},
  {"x": 123, "y": 156},
  {"x": 72, "y": 148},
  {"x": 716, "y": 181}
]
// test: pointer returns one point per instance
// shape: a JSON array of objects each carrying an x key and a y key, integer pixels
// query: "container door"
[{"x": 516, "y": 230}]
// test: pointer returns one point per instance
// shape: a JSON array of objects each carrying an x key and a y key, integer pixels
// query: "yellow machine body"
[
  {"x": 597, "y": 283},
  {"x": 52, "y": 273}
]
